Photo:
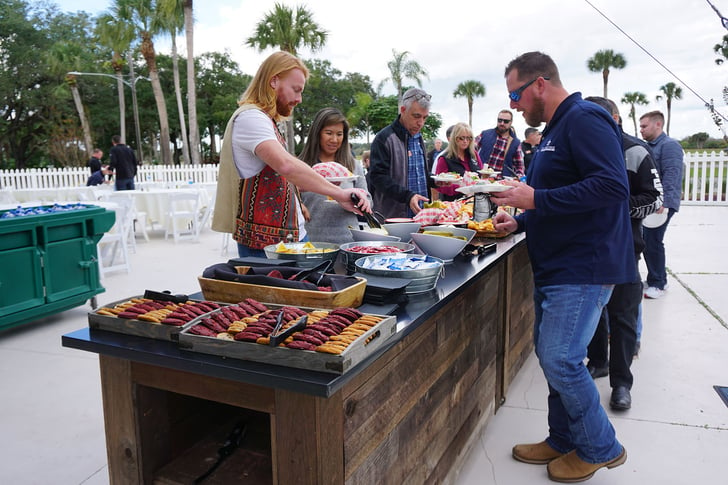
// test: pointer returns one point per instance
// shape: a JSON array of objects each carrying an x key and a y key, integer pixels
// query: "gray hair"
[{"x": 416, "y": 95}]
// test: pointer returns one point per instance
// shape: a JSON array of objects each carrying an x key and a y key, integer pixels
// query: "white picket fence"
[
  {"x": 704, "y": 182},
  {"x": 44, "y": 178}
]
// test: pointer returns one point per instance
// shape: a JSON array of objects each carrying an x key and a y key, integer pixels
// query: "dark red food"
[
  {"x": 202, "y": 330},
  {"x": 174, "y": 321},
  {"x": 247, "y": 336},
  {"x": 256, "y": 304},
  {"x": 374, "y": 249},
  {"x": 301, "y": 345}
]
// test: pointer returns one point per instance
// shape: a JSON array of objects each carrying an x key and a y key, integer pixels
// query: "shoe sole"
[
  {"x": 531, "y": 461},
  {"x": 620, "y": 460}
]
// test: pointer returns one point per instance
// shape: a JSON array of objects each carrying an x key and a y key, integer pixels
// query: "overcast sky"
[{"x": 473, "y": 39}]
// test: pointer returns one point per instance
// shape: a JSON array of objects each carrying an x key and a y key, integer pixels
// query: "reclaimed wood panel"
[
  {"x": 403, "y": 425},
  {"x": 521, "y": 315}
]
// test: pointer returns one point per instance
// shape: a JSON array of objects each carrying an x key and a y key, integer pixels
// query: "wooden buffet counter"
[{"x": 407, "y": 414}]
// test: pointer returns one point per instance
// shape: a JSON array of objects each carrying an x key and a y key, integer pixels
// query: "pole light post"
[{"x": 132, "y": 84}]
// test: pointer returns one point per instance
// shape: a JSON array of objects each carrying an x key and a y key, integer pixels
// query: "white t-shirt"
[{"x": 250, "y": 129}]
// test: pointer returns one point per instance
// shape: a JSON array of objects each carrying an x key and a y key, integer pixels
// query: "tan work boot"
[
  {"x": 571, "y": 469},
  {"x": 535, "y": 453}
]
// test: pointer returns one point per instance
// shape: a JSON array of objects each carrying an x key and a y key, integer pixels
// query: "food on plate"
[
  {"x": 159, "y": 311},
  {"x": 448, "y": 176},
  {"x": 374, "y": 249},
  {"x": 306, "y": 248},
  {"x": 325, "y": 331},
  {"x": 443, "y": 233},
  {"x": 482, "y": 226},
  {"x": 435, "y": 204},
  {"x": 332, "y": 170}
]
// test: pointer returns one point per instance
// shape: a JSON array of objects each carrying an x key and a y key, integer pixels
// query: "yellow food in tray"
[
  {"x": 306, "y": 248},
  {"x": 482, "y": 226}
]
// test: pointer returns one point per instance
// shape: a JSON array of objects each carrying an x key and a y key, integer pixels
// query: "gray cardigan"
[{"x": 329, "y": 221}]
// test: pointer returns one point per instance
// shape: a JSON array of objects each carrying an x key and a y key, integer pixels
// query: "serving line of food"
[{"x": 329, "y": 371}]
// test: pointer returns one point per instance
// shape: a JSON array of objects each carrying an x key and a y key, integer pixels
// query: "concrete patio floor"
[{"x": 676, "y": 432}]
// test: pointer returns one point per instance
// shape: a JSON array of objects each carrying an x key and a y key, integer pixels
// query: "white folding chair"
[
  {"x": 206, "y": 212},
  {"x": 183, "y": 210},
  {"x": 122, "y": 198},
  {"x": 111, "y": 250}
]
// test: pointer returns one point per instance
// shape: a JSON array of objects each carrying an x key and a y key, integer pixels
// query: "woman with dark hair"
[
  {"x": 459, "y": 157},
  {"x": 327, "y": 147}
]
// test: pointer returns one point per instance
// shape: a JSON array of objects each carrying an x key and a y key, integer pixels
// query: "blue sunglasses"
[{"x": 515, "y": 95}]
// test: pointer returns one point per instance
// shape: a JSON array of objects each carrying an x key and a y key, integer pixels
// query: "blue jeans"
[
  {"x": 655, "y": 253},
  {"x": 125, "y": 184},
  {"x": 566, "y": 318}
]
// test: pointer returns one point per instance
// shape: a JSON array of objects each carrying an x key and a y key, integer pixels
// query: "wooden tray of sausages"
[
  {"x": 146, "y": 317},
  {"x": 331, "y": 340}
]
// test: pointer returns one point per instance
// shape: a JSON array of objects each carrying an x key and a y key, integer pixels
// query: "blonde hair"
[
  {"x": 260, "y": 92},
  {"x": 460, "y": 129}
]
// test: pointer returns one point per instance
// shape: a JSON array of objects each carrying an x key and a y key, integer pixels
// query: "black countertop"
[{"x": 418, "y": 309}]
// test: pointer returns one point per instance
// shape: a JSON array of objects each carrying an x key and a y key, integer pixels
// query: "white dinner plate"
[
  {"x": 483, "y": 171},
  {"x": 350, "y": 178},
  {"x": 448, "y": 178},
  {"x": 486, "y": 188},
  {"x": 654, "y": 220}
]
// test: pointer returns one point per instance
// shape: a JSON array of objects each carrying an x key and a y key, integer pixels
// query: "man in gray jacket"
[{"x": 399, "y": 177}]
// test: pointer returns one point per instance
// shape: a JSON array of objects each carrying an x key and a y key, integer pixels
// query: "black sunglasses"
[
  {"x": 515, "y": 95},
  {"x": 418, "y": 96},
  {"x": 504, "y": 121}
]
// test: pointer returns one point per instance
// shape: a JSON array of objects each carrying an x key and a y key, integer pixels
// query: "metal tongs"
[
  {"x": 371, "y": 220},
  {"x": 276, "y": 338}
]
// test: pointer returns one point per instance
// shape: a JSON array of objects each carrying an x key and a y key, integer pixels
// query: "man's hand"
[
  {"x": 520, "y": 196},
  {"x": 414, "y": 202},
  {"x": 503, "y": 222},
  {"x": 345, "y": 201}
]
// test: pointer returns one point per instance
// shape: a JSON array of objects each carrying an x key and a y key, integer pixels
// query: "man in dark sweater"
[
  {"x": 123, "y": 163},
  {"x": 613, "y": 345},
  {"x": 576, "y": 214},
  {"x": 94, "y": 164}
]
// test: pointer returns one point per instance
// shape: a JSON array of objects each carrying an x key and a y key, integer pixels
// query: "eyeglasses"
[
  {"x": 465, "y": 138},
  {"x": 504, "y": 121},
  {"x": 418, "y": 96},
  {"x": 515, "y": 95}
]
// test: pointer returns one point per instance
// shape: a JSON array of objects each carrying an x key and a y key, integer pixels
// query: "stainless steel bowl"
[
  {"x": 305, "y": 259},
  {"x": 421, "y": 280},
  {"x": 350, "y": 256}
]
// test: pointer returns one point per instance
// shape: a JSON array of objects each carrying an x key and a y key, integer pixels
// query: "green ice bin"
[{"x": 48, "y": 262}]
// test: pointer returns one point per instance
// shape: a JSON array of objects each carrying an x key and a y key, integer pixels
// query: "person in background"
[
  {"x": 123, "y": 163},
  {"x": 460, "y": 157},
  {"x": 399, "y": 173},
  {"x": 500, "y": 149},
  {"x": 613, "y": 346},
  {"x": 94, "y": 163},
  {"x": 668, "y": 155},
  {"x": 365, "y": 161},
  {"x": 257, "y": 198},
  {"x": 328, "y": 141},
  {"x": 99, "y": 176},
  {"x": 433, "y": 154},
  {"x": 576, "y": 215},
  {"x": 532, "y": 137}
]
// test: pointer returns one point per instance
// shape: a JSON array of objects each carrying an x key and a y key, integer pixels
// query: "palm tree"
[
  {"x": 171, "y": 17},
  {"x": 401, "y": 68},
  {"x": 602, "y": 61},
  {"x": 288, "y": 30},
  {"x": 632, "y": 99},
  {"x": 117, "y": 36},
  {"x": 191, "y": 86},
  {"x": 469, "y": 90},
  {"x": 671, "y": 91},
  {"x": 142, "y": 15}
]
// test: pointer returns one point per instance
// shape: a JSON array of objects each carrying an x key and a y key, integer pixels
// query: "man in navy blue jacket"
[{"x": 576, "y": 216}]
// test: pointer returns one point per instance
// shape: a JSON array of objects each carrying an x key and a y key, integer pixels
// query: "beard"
[{"x": 535, "y": 115}]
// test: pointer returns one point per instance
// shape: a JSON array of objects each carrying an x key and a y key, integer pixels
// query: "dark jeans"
[
  {"x": 614, "y": 341},
  {"x": 655, "y": 253},
  {"x": 125, "y": 184}
]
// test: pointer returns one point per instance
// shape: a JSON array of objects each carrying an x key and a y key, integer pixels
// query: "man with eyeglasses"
[
  {"x": 576, "y": 216},
  {"x": 399, "y": 171},
  {"x": 500, "y": 149}
]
